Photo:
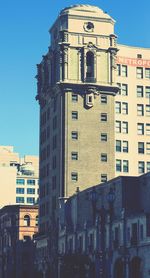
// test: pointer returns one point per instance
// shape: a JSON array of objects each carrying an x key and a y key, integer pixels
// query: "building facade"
[
  {"x": 19, "y": 178},
  {"x": 93, "y": 95},
  {"x": 104, "y": 231},
  {"x": 18, "y": 224}
]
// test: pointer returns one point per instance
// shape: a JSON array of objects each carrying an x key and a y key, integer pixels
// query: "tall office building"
[
  {"x": 94, "y": 108},
  {"x": 18, "y": 178}
]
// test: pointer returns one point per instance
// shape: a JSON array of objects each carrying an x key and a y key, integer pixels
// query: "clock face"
[{"x": 89, "y": 26}]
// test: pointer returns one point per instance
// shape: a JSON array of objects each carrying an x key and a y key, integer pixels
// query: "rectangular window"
[
  {"x": 54, "y": 162},
  {"x": 124, "y": 89},
  {"x": 103, "y": 117},
  {"x": 118, "y": 145},
  {"x": 31, "y": 182},
  {"x": 20, "y": 181},
  {"x": 118, "y": 70},
  {"x": 125, "y": 166},
  {"x": 147, "y": 92},
  {"x": 74, "y": 135},
  {"x": 124, "y": 108},
  {"x": 54, "y": 182},
  {"x": 140, "y": 147},
  {"x": 139, "y": 73},
  {"x": 74, "y": 115},
  {"x": 139, "y": 91},
  {"x": 118, "y": 107},
  {"x": 124, "y": 71},
  {"x": 147, "y": 73},
  {"x": 119, "y": 85},
  {"x": 140, "y": 109},
  {"x": 147, "y": 110},
  {"x": 30, "y": 200},
  {"x": 103, "y": 178},
  {"x": 118, "y": 165},
  {"x": 55, "y": 122},
  {"x": 74, "y": 176},
  {"x": 118, "y": 126},
  {"x": 19, "y": 200},
  {"x": 104, "y": 157},
  {"x": 140, "y": 128},
  {"x": 148, "y": 148},
  {"x": 104, "y": 137},
  {"x": 103, "y": 99},
  {"x": 20, "y": 190},
  {"x": 125, "y": 146},
  {"x": 124, "y": 127},
  {"x": 74, "y": 98},
  {"x": 147, "y": 129},
  {"x": 141, "y": 167},
  {"x": 30, "y": 191},
  {"x": 54, "y": 142},
  {"x": 148, "y": 166},
  {"x": 74, "y": 156}
]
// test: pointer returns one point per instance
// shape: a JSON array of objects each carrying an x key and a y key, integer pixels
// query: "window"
[
  {"x": 140, "y": 128},
  {"x": 27, "y": 220},
  {"x": 74, "y": 115},
  {"x": 125, "y": 146},
  {"x": 140, "y": 147},
  {"x": 74, "y": 135},
  {"x": 55, "y": 122},
  {"x": 90, "y": 66},
  {"x": 124, "y": 89},
  {"x": 148, "y": 166},
  {"x": 103, "y": 99},
  {"x": 104, "y": 157},
  {"x": 103, "y": 137},
  {"x": 125, "y": 166},
  {"x": 54, "y": 142},
  {"x": 147, "y": 73},
  {"x": 54, "y": 182},
  {"x": 30, "y": 191},
  {"x": 147, "y": 92},
  {"x": 124, "y": 71},
  {"x": 103, "y": 117},
  {"x": 103, "y": 178},
  {"x": 141, "y": 232},
  {"x": 147, "y": 110},
  {"x": 20, "y": 190},
  {"x": 31, "y": 182},
  {"x": 141, "y": 167},
  {"x": 74, "y": 98},
  {"x": 118, "y": 165},
  {"x": 140, "y": 109},
  {"x": 118, "y": 126},
  {"x": 54, "y": 162},
  {"x": 124, "y": 127},
  {"x": 20, "y": 181},
  {"x": 139, "y": 56},
  {"x": 118, "y": 145},
  {"x": 139, "y": 91},
  {"x": 139, "y": 72},
  {"x": 74, "y": 176},
  {"x": 19, "y": 200},
  {"x": 124, "y": 108},
  {"x": 30, "y": 200},
  {"x": 147, "y": 129},
  {"x": 74, "y": 156},
  {"x": 118, "y": 107},
  {"x": 118, "y": 70},
  {"x": 148, "y": 148}
]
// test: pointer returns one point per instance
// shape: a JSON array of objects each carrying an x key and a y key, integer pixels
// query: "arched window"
[
  {"x": 90, "y": 66},
  {"x": 27, "y": 220}
]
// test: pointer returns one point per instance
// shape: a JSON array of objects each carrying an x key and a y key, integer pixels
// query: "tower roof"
[{"x": 86, "y": 10}]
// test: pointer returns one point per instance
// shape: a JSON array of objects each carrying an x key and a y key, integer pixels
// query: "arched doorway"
[
  {"x": 118, "y": 269},
  {"x": 135, "y": 268}
]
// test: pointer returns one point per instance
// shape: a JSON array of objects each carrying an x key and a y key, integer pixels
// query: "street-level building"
[
  {"x": 18, "y": 224},
  {"x": 104, "y": 231},
  {"x": 19, "y": 178}
]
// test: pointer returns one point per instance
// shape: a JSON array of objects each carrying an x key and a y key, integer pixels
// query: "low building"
[
  {"x": 18, "y": 224},
  {"x": 104, "y": 231},
  {"x": 19, "y": 178}
]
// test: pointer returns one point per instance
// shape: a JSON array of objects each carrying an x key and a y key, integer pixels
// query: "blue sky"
[{"x": 24, "y": 38}]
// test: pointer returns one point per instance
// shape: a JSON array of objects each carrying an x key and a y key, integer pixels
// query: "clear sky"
[{"x": 24, "y": 38}]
